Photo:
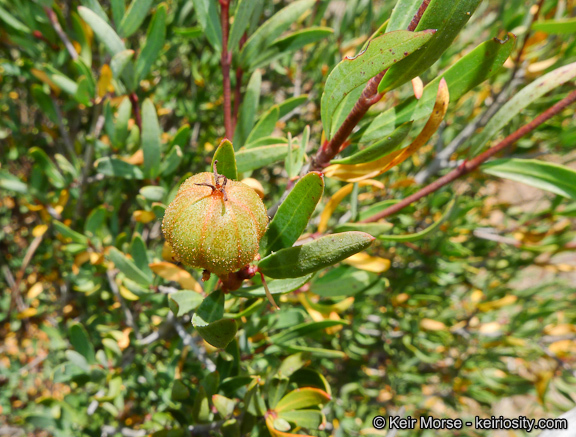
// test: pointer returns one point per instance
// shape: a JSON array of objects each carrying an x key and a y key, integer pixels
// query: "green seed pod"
[{"x": 215, "y": 223}]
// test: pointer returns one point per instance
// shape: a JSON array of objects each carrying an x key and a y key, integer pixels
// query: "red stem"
[
  {"x": 469, "y": 166},
  {"x": 136, "y": 110},
  {"x": 226, "y": 60},
  {"x": 369, "y": 97}
]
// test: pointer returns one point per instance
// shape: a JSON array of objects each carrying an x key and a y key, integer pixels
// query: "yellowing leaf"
[
  {"x": 39, "y": 230},
  {"x": 274, "y": 432},
  {"x": 43, "y": 77},
  {"x": 418, "y": 87},
  {"x": 432, "y": 325},
  {"x": 255, "y": 185},
  {"x": 542, "y": 382},
  {"x": 363, "y": 261},
  {"x": 105, "y": 81},
  {"x": 144, "y": 216},
  {"x": 335, "y": 200},
  {"x": 136, "y": 159},
  {"x": 563, "y": 348},
  {"x": 496, "y": 304},
  {"x": 172, "y": 272},
  {"x": 27, "y": 313},
  {"x": 35, "y": 290},
  {"x": 490, "y": 328},
  {"x": 359, "y": 172},
  {"x": 127, "y": 294}
]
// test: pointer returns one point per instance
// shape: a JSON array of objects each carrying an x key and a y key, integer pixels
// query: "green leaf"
[
  {"x": 279, "y": 286},
  {"x": 556, "y": 27},
  {"x": 474, "y": 68},
  {"x": 308, "y": 377},
  {"x": 105, "y": 34},
  {"x": 379, "y": 149},
  {"x": 521, "y": 100},
  {"x": 154, "y": 193},
  {"x": 95, "y": 220},
  {"x": 172, "y": 161},
  {"x": 140, "y": 256},
  {"x": 78, "y": 360},
  {"x": 10, "y": 182},
  {"x": 223, "y": 405},
  {"x": 150, "y": 139},
  {"x": 256, "y": 157},
  {"x": 154, "y": 42},
  {"x": 211, "y": 309},
  {"x": 220, "y": 333},
  {"x": 81, "y": 342},
  {"x": 122, "y": 119},
  {"x": 303, "y": 330},
  {"x": 84, "y": 92},
  {"x": 15, "y": 24},
  {"x": 311, "y": 419},
  {"x": 129, "y": 268},
  {"x": 201, "y": 407},
  {"x": 557, "y": 179},
  {"x": 242, "y": 15},
  {"x": 302, "y": 398},
  {"x": 82, "y": 38},
  {"x": 69, "y": 233},
  {"x": 116, "y": 167},
  {"x": 119, "y": 62},
  {"x": 189, "y": 32},
  {"x": 184, "y": 301},
  {"x": 134, "y": 17},
  {"x": 267, "y": 33},
  {"x": 402, "y": 14},
  {"x": 226, "y": 160},
  {"x": 179, "y": 391},
  {"x": 265, "y": 125},
  {"x": 94, "y": 6},
  {"x": 48, "y": 168},
  {"x": 209, "y": 19},
  {"x": 374, "y": 229},
  {"x": 299, "y": 39},
  {"x": 294, "y": 213},
  {"x": 343, "y": 281},
  {"x": 277, "y": 388},
  {"x": 448, "y": 18},
  {"x": 290, "y": 104},
  {"x": 310, "y": 257},
  {"x": 351, "y": 73},
  {"x": 118, "y": 10},
  {"x": 424, "y": 233},
  {"x": 45, "y": 103},
  {"x": 248, "y": 109},
  {"x": 182, "y": 137}
]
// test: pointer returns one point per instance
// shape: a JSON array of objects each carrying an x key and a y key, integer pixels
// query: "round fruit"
[{"x": 215, "y": 223}]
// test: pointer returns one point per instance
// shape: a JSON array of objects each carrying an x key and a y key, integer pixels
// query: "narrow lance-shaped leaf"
[
  {"x": 556, "y": 27},
  {"x": 250, "y": 159},
  {"x": 302, "y": 398},
  {"x": 351, "y": 73},
  {"x": 265, "y": 125},
  {"x": 310, "y": 257},
  {"x": 448, "y": 18},
  {"x": 211, "y": 309},
  {"x": 150, "y": 139},
  {"x": 248, "y": 109},
  {"x": 154, "y": 42},
  {"x": 474, "y": 68},
  {"x": 105, "y": 34},
  {"x": 81, "y": 342},
  {"x": 244, "y": 10},
  {"x": 209, "y": 18},
  {"x": 134, "y": 17},
  {"x": 557, "y": 179},
  {"x": 294, "y": 213},
  {"x": 424, "y": 233},
  {"x": 119, "y": 62},
  {"x": 402, "y": 14},
  {"x": 521, "y": 100},
  {"x": 226, "y": 160},
  {"x": 381, "y": 148},
  {"x": 278, "y": 286},
  {"x": 272, "y": 29},
  {"x": 359, "y": 172},
  {"x": 116, "y": 167},
  {"x": 304, "y": 329},
  {"x": 48, "y": 167},
  {"x": 128, "y": 267}
]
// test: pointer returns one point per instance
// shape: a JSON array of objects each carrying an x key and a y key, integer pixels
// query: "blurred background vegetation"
[{"x": 475, "y": 318}]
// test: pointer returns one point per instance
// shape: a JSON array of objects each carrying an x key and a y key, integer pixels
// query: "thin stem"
[
  {"x": 226, "y": 60},
  {"x": 473, "y": 164},
  {"x": 369, "y": 97},
  {"x": 238, "y": 88},
  {"x": 56, "y": 25}
]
